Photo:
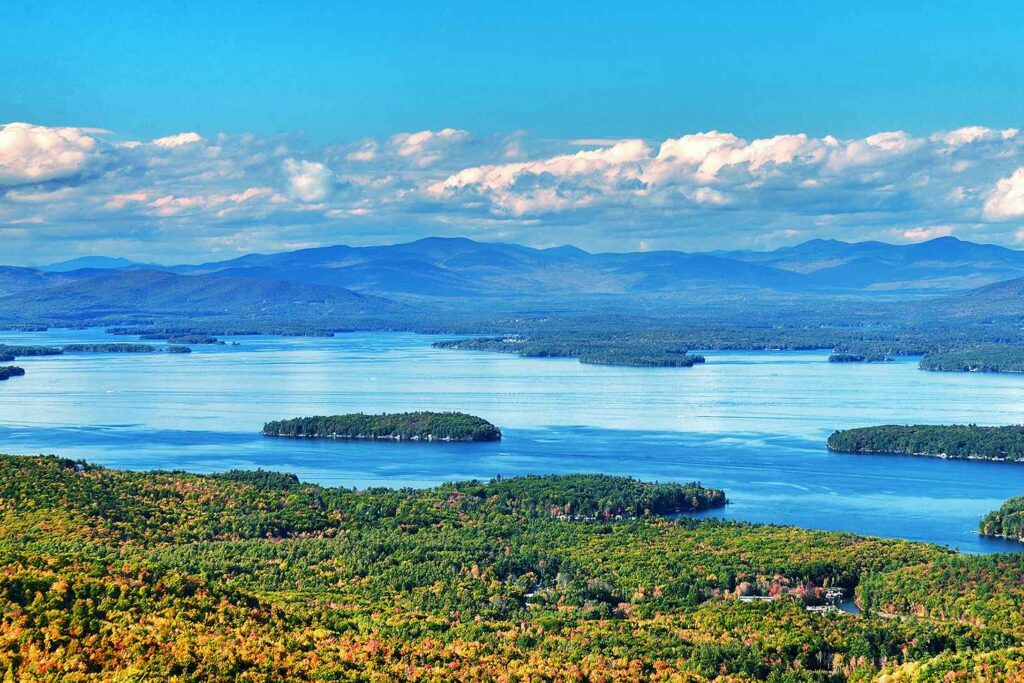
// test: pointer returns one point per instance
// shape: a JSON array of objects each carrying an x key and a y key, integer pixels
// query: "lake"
[{"x": 752, "y": 423}]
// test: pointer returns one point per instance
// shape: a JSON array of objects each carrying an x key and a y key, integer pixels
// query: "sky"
[{"x": 184, "y": 131}]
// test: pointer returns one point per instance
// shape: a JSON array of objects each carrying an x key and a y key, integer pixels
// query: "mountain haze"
[{"x": 464, "y": 276}]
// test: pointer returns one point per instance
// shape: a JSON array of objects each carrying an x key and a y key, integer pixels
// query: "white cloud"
[
  {"x": 1007, "y": 199},
  {"x": 927, "y": 233},
  {"x": 607, "y": 160},
  {"x": 560, "y": 183},
  {"x": 309, "y": 181},
  {"x": 873, "y": 149},
  {"x": 179, "y": 140},
  {"x": 427, "y": 146},
  {"x": 368, "y": 151},
  {"x": 118, "y": 202},
  {"x": 970, "y": 134},
  {"x": 691, "y": 191},
  {"x": 707, "y": 195},
  {"x": 694, "y": 149},
  {"x": 31, "y": 153}
]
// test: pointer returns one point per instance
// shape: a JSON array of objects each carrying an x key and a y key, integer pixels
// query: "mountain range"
[{"x": 458, "y": 272}]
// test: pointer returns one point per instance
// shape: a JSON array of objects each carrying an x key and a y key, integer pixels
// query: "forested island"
[
  {"x": 110, "y": 348},
  {"x": 182, "y": 338},
  {"x": 624, "y": 351},
  {"x": 8, "y": 371},
  {"x": 418, "y": 426},
  {"x": 944, "y": 441},
  {"x": 981, "y": 358},
  {"x": 209, "y": 330},
  {"x": 858, "y": 358},
  {"x": 257, "y": 576}
]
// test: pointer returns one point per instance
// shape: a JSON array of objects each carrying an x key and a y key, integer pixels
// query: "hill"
[
  {"x": 15, "y": 279},
  {"x": 436, "y": 282},
  {"x": 454, "y": 267},
  {"x": 94, "y": 262},
  {"x": 995, "y": 300},
  {"x": 127, "y": 294},
  {"x": 943, "y": 264}
]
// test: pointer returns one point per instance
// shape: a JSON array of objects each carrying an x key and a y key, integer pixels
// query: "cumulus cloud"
[
  {"x": 1007, "y": 198},
  {"x": 179, "y": 140},
  {"x": 427, "y": 146},
  {"x": 970, "y": 134},
  {"x": 927, "y": 233},
  {"x": 561, "y": 182},
  {"x": 368, "y": 151},
  {"x": 309, "y": 181},
  {"x": 31, "y": 153},
  {"x": 694, "y": 190}
]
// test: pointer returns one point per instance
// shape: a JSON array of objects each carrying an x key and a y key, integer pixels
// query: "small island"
[
  {"x": 626, "y": 352},
  {"x": 8, "y": 371},
  {"x": 110, "y": 348},
  {"x": 641, "y": 359},
  {"x": 1005, "y": 444},
  {"x": 182, "y": 338},
  {"x": 418, "y": 426},
  {"x": 859, "y": 358},
  {"x": 981, "y": 358}
]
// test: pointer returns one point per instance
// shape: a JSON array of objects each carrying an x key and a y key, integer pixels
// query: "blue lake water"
[{"x": 753, "y": 423}]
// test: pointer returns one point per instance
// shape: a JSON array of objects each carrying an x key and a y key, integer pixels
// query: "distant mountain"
[
  {"x": 459, "y": 267},
  {"x": 123, "y": 294},
  {"x": 91, "y": 262},
  {"x": 463, "y": 275},
  {"x": 943, "y": 264}
]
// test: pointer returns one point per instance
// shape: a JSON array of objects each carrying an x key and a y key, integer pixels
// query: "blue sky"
[{"x": 277, "y": 91}]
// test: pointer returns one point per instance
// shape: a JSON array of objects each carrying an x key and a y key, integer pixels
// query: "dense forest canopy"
[
  {"x": 256, "y": 576},
  {"x": 1006, "y": 522},
  {"x": 977, "y": 358},
  {"x": 417, "y": 426},
  {"x": 948, "y": 441}
]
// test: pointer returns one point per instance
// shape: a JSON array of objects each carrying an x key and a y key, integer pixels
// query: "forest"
[
  {"x": 947, "y": 441},
  {"x": 977, "y": 358},
  {"x": 256, "y": 576},
  {"x": 417, "y": 426}
]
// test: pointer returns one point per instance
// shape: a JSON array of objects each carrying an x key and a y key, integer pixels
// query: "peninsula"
[
  {"x": 1006, "y": 522},
  {"x": 418, "y": 426}
]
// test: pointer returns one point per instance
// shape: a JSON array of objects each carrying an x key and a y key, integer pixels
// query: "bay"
[{"x": 753, "y": 423}]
